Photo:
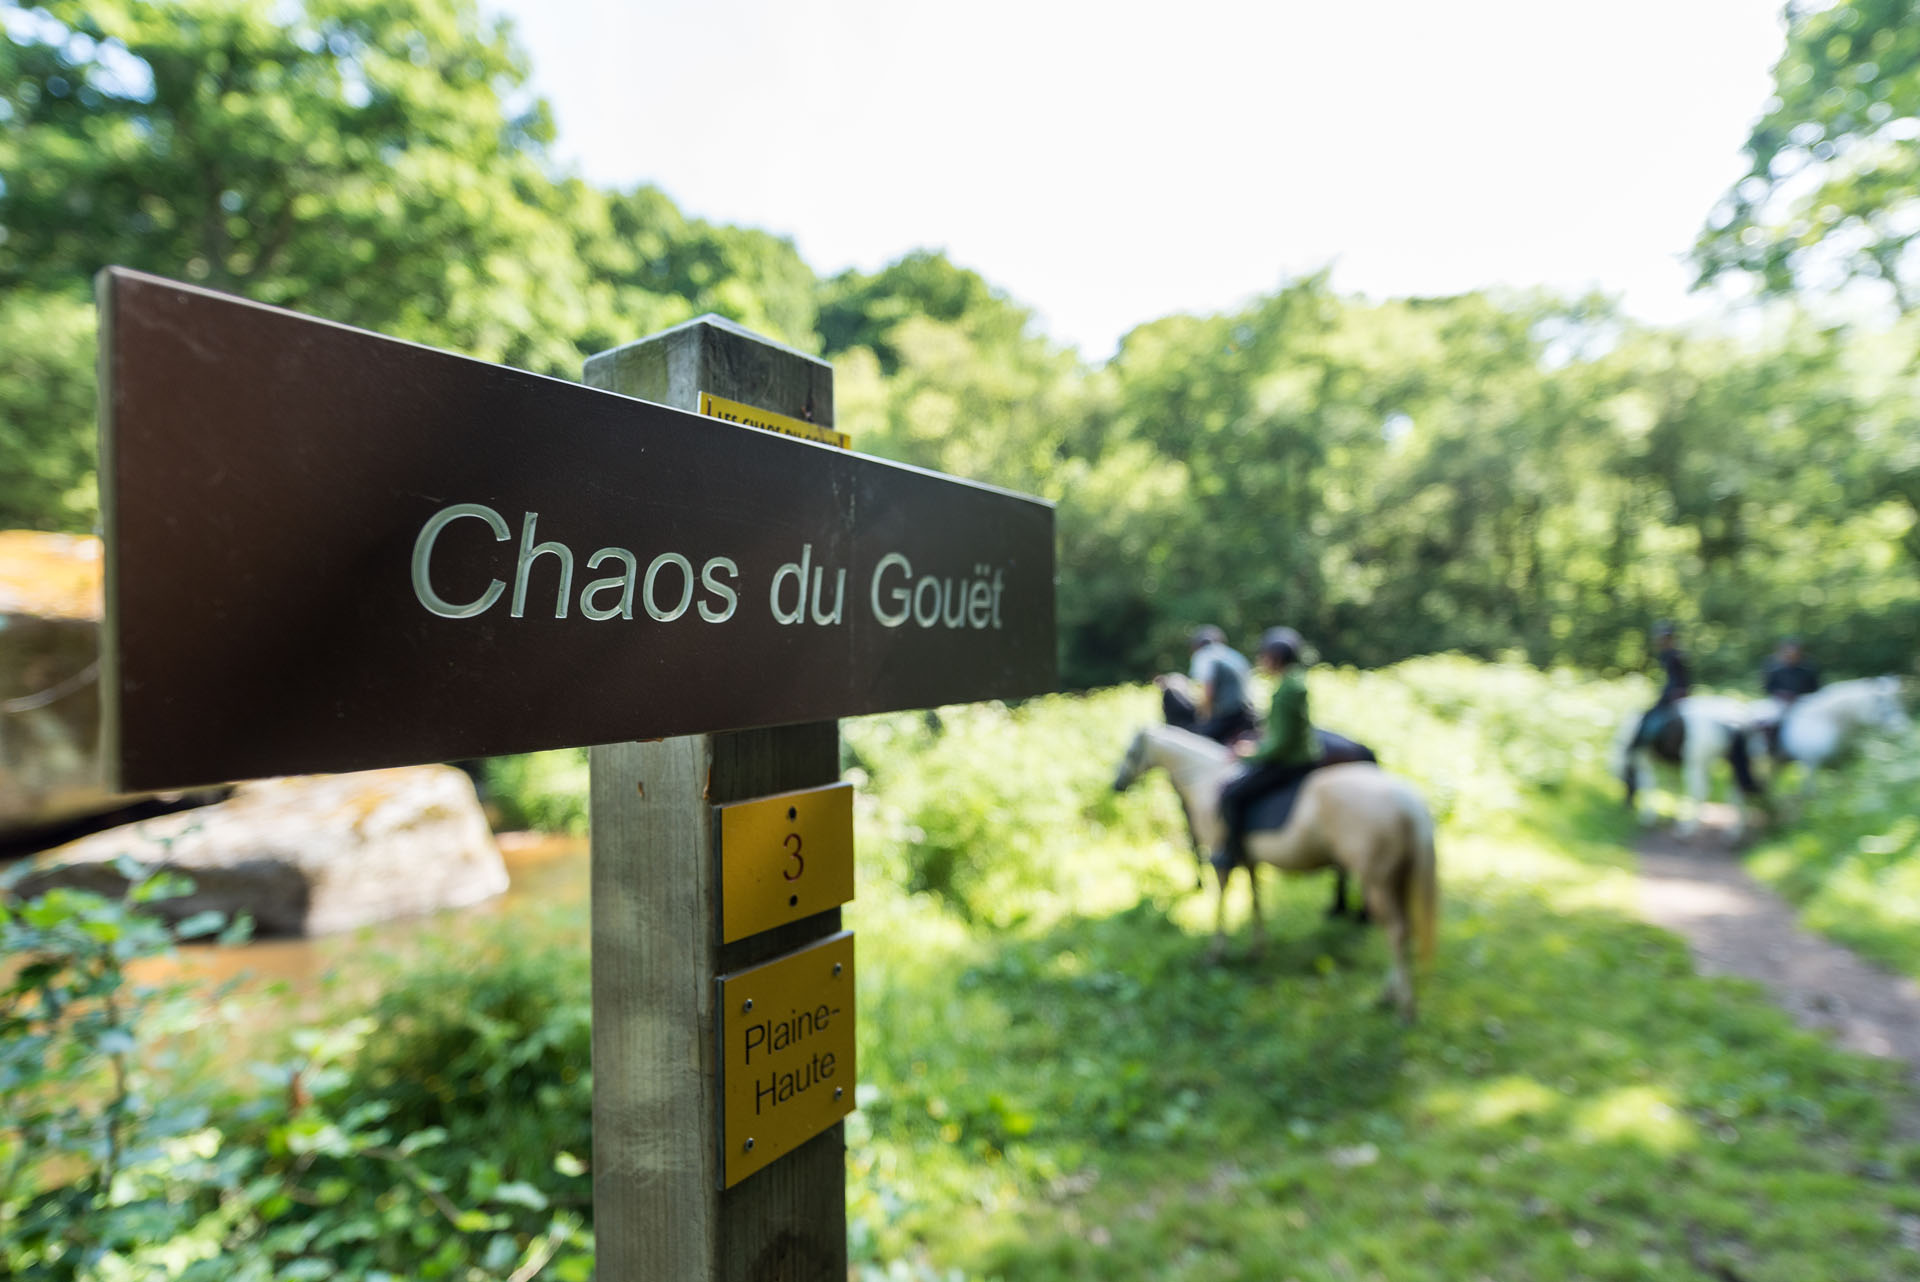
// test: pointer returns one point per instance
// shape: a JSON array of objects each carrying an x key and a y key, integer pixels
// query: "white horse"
[
  {"x": 1352, "y": 817},
  {"x": 1816, "y": 728},
  {"x": 1705, "y": 729}
]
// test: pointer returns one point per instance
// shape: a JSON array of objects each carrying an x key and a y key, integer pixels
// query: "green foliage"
[
  {"x": 377, "y": 162},
  {"x": 1077, "y": 1095},
  {"x": 1830, "y": 193},
  {"x": 1482, "y": 474},
  {"x": 648, "y": 252},
  {"x": 1852, "y": 860},
  {"x": 349, "y": 159},
  {"x": 495, "y": 1055},
  {"x": 1054, "y": 1084},
  {"x": 86, "y": 1142},
  {"x": 47, "y": 412},
  {"x": 545, "y": 791},
  {"x": 116, "y": 1162}
]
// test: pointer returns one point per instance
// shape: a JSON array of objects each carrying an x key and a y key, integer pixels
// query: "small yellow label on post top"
[
  {"x": 753, "y": 416},
  {"x": 786, "y": 1054},
  {"x": 784, "y": 857}
]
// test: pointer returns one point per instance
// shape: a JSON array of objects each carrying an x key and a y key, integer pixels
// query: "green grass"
[
  {"x": 1059, "y": 1087},
  {"x": 1852, "y": 861},
  {"x": 1056, "y": 1085}
]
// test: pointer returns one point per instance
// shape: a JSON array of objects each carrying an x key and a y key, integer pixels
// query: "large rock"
[
  {"x": 49, "y": 679},
  {"x": 308, "y": 855}
]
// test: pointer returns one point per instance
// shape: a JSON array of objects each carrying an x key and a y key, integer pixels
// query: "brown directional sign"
[{"x": 331, "y": 550}]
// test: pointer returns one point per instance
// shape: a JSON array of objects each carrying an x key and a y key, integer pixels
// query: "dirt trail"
[{"x": 1699, "y": 891}]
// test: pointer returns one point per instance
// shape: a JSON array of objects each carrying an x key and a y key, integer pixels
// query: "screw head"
[
  {"x": 749, "y": 1144},
  {"x": 747, "y": 1005},
  {"x": 838, "y": 1091},
  {"x": 836, "y": 968}
]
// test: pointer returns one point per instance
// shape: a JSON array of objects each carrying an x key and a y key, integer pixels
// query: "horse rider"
[
  {"x": 1285, "y": 754},
  {"x": 1677, "y": 685},
  {"x": 1785, "y": 678},
  {"x": 1788, "y": 675},
  {"x": 1221, "y": 703}
]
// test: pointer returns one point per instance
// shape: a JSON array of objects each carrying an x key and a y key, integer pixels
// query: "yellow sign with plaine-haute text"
[
  {"x": 786, "y": 1054},
  {"x": 784, "y": 857},
  {"x": 753, "y": 416}
]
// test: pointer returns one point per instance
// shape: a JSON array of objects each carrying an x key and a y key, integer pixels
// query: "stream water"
[{"x": 546, "y": 873}]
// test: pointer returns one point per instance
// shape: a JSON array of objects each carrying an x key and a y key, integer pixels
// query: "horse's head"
[{"x": 1133, "y": 765}]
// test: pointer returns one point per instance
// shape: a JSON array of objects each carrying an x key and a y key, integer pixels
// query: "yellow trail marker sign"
[
  {"x": 784, "y": 857},
  {"x": 786, "y": 1054},
  {"x": 753, "y": 416}
]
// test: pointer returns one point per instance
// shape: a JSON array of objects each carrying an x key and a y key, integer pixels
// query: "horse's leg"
[
  {"x": 1389, "y": 909},
  {"x": 1200, "y": 852},
  {"x": 1259, "y": 945},
  {"x": 1222, "y": 874},
  {"x": 1356, "y": 910},
  {"x": 1695, "y": 780},
  {"x": 1641, "y": 763}
]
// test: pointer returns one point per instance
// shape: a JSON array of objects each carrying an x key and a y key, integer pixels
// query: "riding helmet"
[{"x": 1282, "y": 645}]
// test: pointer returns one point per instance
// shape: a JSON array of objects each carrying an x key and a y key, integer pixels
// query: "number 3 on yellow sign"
[{"x": 783, "y": 858}]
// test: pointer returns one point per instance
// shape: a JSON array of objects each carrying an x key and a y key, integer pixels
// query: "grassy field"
[
  {"x": 1852, "y": 860},
  {"x": 1056, "y": 1084}
]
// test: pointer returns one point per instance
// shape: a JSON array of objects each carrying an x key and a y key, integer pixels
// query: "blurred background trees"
[{"x": 1496, "y": 474}]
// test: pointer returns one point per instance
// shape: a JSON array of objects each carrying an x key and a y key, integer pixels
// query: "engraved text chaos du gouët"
[{"x": 669, "y": 587}]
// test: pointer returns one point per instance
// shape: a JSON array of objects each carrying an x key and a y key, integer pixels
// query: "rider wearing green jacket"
[{"x": 1287, "y": 753}]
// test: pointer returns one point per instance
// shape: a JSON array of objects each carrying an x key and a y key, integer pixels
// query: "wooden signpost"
[{"x": 330, "y": 550}]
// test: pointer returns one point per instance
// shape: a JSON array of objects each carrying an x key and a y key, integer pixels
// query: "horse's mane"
[{"x": 1179, "y": 738}]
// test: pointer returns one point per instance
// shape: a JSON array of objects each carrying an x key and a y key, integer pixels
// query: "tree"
[
  {"x": 1833, "y": 189},
  {"x": 660, "y": 268},
  {"x": 351, "y": 159}
]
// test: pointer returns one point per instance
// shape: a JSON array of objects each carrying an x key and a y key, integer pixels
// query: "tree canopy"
[
  {"x": 1833, "y": 190},
  {"x": 1490, "y": 473}
]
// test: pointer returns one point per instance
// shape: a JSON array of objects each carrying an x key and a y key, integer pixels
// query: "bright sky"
[{"x": 1109, "y": 163}]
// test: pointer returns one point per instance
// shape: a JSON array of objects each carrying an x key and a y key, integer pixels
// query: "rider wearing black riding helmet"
[
  {"x": 1787, "y": 674},
  {"x": 1286, "y": 753},
  {"x": 1676, "y": 685}
]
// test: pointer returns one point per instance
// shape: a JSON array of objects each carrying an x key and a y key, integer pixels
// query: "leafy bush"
[
  {"x": 1852, "y": 861},
  {"x": 113, "y": 1166},
  {"x": 546, "y": 791},
  {"x": 495, "y": 1054}
]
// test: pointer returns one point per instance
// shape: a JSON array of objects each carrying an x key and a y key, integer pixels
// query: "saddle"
[
  {"x": 1667, "y": 738},
  {"x": 1272, "y": 811}
]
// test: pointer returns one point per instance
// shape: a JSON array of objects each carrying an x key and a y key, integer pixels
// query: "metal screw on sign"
[
  {"x": 749, "y": 1144},
  {"x": 836, "y": 968},
  {"x": 748, "y": 1005}
]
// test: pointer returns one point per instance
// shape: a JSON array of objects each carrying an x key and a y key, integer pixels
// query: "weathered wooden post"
[
  {"x": 328, "y": 550},
  {"x": 659, "y": 1208}
]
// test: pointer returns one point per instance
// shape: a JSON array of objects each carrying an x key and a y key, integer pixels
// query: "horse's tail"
[{"x": 1420, "y": 888}]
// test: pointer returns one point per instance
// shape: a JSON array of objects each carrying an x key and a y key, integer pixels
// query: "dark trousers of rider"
[
  {"x": 1243, "y": 790},
  {"x": 1653, "y": 721}
]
